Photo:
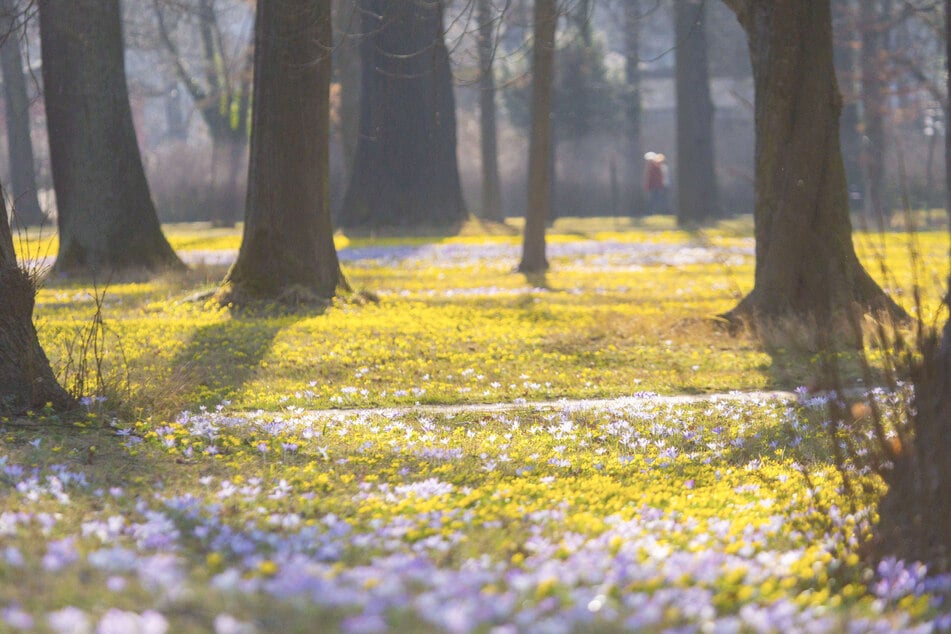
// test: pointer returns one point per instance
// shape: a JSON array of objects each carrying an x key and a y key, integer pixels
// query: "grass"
[{"x": 221, "y": 497}]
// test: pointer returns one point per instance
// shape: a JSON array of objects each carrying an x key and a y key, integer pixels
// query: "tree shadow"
[{"x": 221, "y": 358}]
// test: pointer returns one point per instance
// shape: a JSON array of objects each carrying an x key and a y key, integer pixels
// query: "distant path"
[{"x": 563, "y": 404}]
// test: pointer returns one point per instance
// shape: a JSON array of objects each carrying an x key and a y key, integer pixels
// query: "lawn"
[{"x": 428, "y": 455}]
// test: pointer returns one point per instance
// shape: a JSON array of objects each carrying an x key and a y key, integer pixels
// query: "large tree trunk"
[
  {"x": 696, "y": 178},
  {"x": 405, "y": 172},
  {"x": 632, "y": 75},
  {"x": 806, "y": 266},
  {"x": 106, "y": 217},
  {"x": 287, "y": 251},
  {"x": 534, "y": 260},
  {"x": 488, "y": 134},
  {"x": 26, "y": 380},
  {"x": 17, "y": 106},
  {"x": 914, "y": 512}
]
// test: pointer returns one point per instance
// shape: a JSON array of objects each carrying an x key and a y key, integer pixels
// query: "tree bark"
[
  {"x": 696, "y": 177},
  {"x": 26, "y": 380},
  {"x": 17, "y": 105},
  {"x": 105, "y": 214},
  {"x": 632, "y": 75},
  {"x": 405, "y": 173},
  {"x": 287, "y": 251},
  {"x": 534, "y": 260},
  {"x": 806, "y": 266},
  {"x": 488, "y": 133},
  {"x": 845, "y": 60}
]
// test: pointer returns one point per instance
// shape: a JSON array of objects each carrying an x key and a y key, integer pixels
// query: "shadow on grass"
[{"x": 221, "y": 358}]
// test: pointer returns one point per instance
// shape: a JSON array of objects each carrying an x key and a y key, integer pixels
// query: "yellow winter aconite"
[{"x": 409, "y": 464}]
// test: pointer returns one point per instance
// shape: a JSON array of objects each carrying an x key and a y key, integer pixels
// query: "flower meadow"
[{"x": 426, "y": 463}]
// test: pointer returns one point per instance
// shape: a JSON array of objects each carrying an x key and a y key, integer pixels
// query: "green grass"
[{"x": 228, "y": 493}]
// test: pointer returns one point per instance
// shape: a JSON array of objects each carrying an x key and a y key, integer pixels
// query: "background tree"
[
  {"x": 26, "y": 380},
  {"x": 405, "y": 172},
  {"x": 696, "y": 177},
  {"x": 221, "y": 90},
  {"x": 287, "y": 250},
  {"x": 874, "y": 20},
  {"x": 105, "y": 214},
  {"x": 488, "y": 134},
  {"x": 534, "y": 260},
  {"x": 806, "y": 266},
  {"x": 632, "y": 74},
  {"x": 17, "y": 109}
]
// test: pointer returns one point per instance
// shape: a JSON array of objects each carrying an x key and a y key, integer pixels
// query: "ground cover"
[{"x": 220, "y": 498}]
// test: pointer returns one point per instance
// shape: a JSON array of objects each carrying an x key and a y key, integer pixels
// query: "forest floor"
[{"x": 466, "y": 452}]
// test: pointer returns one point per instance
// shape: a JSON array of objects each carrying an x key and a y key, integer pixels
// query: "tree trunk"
[
  {"x": 405, "y": 173},
  {"x": 17, "y": 105},
  {"x": 287, "y": 251},
  {"x": 874, "y": 105},
  {"x": 806, "y": 266},
  {"x": 26, "y": 380},
  {"x": 632, "y": 74},
  {"x": 106, "y": 217},
  {"x": 696, "y": 178},
  {"x": 491, "y": 190},
  {"x": 534, "y": 260},
  {"x": 913, "y": 513}
]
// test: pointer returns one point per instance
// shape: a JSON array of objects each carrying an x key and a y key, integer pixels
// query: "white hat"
[{"x": 650, "y": 156}]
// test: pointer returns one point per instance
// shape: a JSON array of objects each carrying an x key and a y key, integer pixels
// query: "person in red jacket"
[{"x": 655, "y": 183}]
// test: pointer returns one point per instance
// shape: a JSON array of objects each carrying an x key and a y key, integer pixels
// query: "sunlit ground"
[{"x": 212, "y": 489}]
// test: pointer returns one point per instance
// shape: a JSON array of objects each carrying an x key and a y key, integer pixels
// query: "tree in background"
[
  {"x": 17, "y": 108},
  {"x": 874, "y": 18},
  {"x": 345, "y": 86},
  {"x": 105, "y": 214},
  {"x": 696, "y": 177},
  {"x": 634, "y": 110},
  {"x": 534, "y": 260},
  {"x": 287, "y": 250},
  {"x": 806, "y": 266},
  {"x": 488, "y": 133},
  {"x": 405, "y": 172},
  {"x": 221, "y": 90},
  {"x": 26, "y": 380}
]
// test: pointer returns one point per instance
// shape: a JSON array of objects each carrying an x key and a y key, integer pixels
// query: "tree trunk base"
[
  {"x": 26, "y": 380},
  {"x": 785, "y": 325}
]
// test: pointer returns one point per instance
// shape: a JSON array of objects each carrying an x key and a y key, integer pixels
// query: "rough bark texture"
[
  {"x": 405, "y": 173},
  {"x": 287, "y": 250},
  {"x": 913, "y": 514},
  {"x": 806, "y": 267},
  {"x": 540, "y": 144},
  {"x": 106, "y": 217},
  {"x": 488, "y": 133},
  {"x": 17, "y": 105},
  {"x": 632, "y": 75},
  {"x": 696, "y": 178},
  {"x": 26, "y": 380}
]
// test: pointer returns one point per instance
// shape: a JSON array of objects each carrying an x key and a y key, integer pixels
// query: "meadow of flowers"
[{"x": 246, "y": 485}]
